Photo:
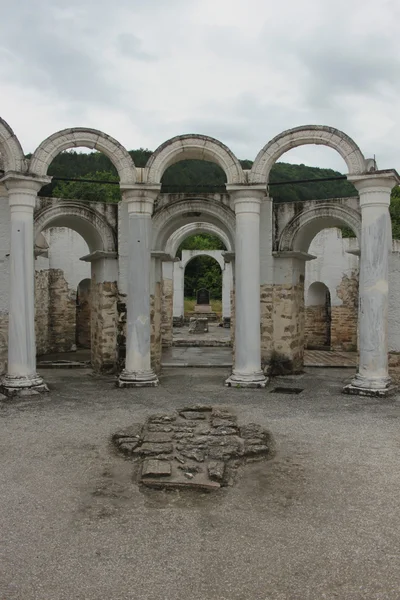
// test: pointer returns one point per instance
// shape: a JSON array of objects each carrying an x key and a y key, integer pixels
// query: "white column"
[
  {"x": 226, "y": 290},
  {"x": 247, "y": 370},
  {"x": 21, "y": 373},
  {"x": 178, "y": 298},
  {"x": 138, "y": 371},
  {"x": 376, "y": 241}
]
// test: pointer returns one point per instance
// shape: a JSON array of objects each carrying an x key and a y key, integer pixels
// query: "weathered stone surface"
[
  {"x": 156, "y": 468},
  {"x": 199, "y": 447},
  {"x": 157, "y": 437},
  {"x": 134, "y": 430},
  {"x": 191, "y": 414},
  {"x": 148, "y": 449},
  {"x": 252, "y": 431},
  {"x": 223, "y": 430},
  {"x": 218, "y": 422},
  {"x": 197, "y": 408},
  {"x": 216, "y": 470},
  {"x": 162, "y": 418},
  {"x": 161, "y": 428}
]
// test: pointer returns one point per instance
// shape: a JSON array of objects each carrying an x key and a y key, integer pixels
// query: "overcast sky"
[{"x": 238, "y": 70}]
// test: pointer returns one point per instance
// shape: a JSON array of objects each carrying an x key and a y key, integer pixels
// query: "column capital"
[
  {"x": 139, "y": 198},
  {"x": 375, "y": 187},
  {"x": 247, "y": 199},
  {"x": 18, "y": 183}
]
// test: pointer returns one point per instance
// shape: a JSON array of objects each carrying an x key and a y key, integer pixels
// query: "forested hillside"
[
  {"x": 187, "y": 175},
  {"x": 192, "y": 175}
]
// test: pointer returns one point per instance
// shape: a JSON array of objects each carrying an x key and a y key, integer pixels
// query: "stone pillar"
[
  {"x": 247, "y": 363},
  {"x": 179, "y": 292},
  {"x": 21, "y": 372},
  {"x": 372, "y": 378},
  {"x": 138, "y": 371},
  {"x": 167, "y": 295},
  {"x": 226, "y": 290}
]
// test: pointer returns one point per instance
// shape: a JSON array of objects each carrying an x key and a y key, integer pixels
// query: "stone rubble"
[{"x": 198, "y": 447}]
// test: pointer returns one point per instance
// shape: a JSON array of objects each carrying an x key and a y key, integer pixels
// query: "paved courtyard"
[{"x": 318, "y": 521}]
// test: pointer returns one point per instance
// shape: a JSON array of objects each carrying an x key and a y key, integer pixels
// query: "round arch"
[
  {"x": 193, "y": 146},
  {"x": 89, "y": 138},
  {"x": 209, "y": 253},
  {"x": 96, "y": 232},
  {"x": 303, "y": 135},
  {"x": 316, "y": 294},
  {"x": 176, "y": 238},
  {"x": 11, "y": 153},
  {"x": 200, "y": 210},
  {"x": 301, "y": 230}
]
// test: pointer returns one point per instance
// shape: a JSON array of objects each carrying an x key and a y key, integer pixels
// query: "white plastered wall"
[
  {"x": 333, "y": 262},
  {"x": 66, "y": 247},
  {"x": 394, "y": 298}
]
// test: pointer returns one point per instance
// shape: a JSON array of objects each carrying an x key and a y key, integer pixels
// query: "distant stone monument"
[{"x": 202, "y": 301}]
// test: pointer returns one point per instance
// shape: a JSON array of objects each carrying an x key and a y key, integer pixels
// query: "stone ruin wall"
[
  {"x": 167, "y": 312},
  {"x": 104, "y": 326}
]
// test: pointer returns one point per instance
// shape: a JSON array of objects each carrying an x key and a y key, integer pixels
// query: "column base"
[
  {"x": 362, "y": 386},
  {"x": 139, "y": 379},
  {"x": 241, "y": 380},
  {"x": 22, "y": 386}
]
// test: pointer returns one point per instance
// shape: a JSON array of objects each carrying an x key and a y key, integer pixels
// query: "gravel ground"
[{"x": 318, "y": 521}]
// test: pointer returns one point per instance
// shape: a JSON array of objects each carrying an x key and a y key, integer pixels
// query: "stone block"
[{"x": 156, "y": 468}]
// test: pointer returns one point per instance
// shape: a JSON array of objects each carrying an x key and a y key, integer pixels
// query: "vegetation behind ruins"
[{"x": 192, "y": 175}]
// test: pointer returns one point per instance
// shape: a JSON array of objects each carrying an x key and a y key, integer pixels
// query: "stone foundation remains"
[{"x": 199, "y": 447}]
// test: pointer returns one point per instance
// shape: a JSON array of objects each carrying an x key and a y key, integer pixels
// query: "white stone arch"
[
  {"x": 11, "y": 154},
  {"x": 190, "y": 229},
  {"x": 193, "y": 146},
  {"x": 89, "y": 138},
  {"x": 176, "y": 215},
  {"x": 210, "y": 253},
  {"x": 301, "y": 229},
  {"x": 303, "y": 135},
  {"x": 92, "y": 226}
]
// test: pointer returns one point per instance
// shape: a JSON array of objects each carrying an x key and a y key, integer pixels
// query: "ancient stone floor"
[
  {"x": 198, "y": 447},
  {"x": 320, "y": 520}
]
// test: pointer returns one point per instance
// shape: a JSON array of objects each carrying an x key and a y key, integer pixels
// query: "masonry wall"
[
  {"x": 104, "y": 318},
  {"x": 166, "y": 311},
  {"x": 316, "y": 326}
]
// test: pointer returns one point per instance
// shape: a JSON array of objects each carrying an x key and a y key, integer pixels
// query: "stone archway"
[
  {"x": 304, "y": 226},
  {"x": 85, "y": 220},
  {"x": 303, "y": 135},
  {"x": 318, "y": 316},
  {"x": 89, "y": 138},
  {"x": 100, "y": 237},
  {"x": 11, "y": 154},
  {"x": 199, "y": 147}
]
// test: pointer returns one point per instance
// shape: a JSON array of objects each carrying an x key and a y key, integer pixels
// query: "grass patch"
[{"x": 216, "y": 305}]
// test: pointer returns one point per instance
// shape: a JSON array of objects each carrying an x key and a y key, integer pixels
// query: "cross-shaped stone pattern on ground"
[{"x": 197, "y": 447}]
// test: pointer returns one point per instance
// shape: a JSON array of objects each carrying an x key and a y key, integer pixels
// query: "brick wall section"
[
  {"x": 3, "y": 341},
  {"x": 266, "y": 311},
  {"x": 42, "y": 312},
  {"x": 316, "y": 326},
  {"x": 104, "y": 326},
  {"x": 166, "y": 311},
  {"x": 288, "y": 328},
  {"x": 344, "y": 318},
  {"x": 155, "y": 328},
  {"x": 62, "y": 313}
]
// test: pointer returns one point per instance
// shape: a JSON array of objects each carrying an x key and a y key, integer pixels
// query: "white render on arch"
[{"x": 268, "y": 245}]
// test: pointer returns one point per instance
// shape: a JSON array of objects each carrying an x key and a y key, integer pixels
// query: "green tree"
[{"x": 90, "y": 192}]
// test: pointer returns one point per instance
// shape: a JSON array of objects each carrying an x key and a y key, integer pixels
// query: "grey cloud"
[{"x": 131, "y": 46}]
